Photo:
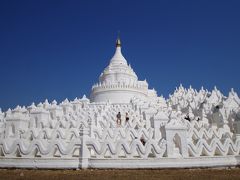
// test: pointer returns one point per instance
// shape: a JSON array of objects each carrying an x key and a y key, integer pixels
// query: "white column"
[{"x": 84, "y": 152}]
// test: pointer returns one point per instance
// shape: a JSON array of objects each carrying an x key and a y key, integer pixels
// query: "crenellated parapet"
[
  {"x": 16, "y": 122},
  {"x": 138, "y": 86},
  {"x": 190, "y": 124}
]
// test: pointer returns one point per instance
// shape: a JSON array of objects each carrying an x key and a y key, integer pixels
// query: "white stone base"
[
  {"x": 40, "y": 163},
  {"x": 73, "y": 163}
]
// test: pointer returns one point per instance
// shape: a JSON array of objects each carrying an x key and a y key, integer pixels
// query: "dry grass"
[{"x": 139, "y": 174}]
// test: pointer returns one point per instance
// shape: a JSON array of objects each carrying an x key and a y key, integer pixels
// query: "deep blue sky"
[{"x": 57, "y": 49}]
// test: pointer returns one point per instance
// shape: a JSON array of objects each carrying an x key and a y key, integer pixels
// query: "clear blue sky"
[{"x": 57, "y": 49}]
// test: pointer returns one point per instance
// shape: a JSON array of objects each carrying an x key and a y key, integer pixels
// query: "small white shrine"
[{"x": 124, "y": 124}]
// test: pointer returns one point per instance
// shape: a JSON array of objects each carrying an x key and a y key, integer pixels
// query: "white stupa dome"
[{"x": 118, "y": 83}]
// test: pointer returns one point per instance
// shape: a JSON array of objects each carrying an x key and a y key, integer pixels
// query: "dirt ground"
[{"x": 139, "y": 174}]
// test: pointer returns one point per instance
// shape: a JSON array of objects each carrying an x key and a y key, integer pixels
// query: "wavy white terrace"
[{"x": 189, "y": 129}]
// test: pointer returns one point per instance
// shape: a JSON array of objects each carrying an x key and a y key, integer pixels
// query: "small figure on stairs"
[
  {"x": 119, "y": 118},
  {"x": 127, "y": 117}
]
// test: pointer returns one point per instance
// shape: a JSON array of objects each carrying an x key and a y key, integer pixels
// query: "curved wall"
[{"x": 116, "y": 96}]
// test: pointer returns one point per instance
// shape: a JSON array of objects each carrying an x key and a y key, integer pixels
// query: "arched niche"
[{"x": 176, "y": 142}]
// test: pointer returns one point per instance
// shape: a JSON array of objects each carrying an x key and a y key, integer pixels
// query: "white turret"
[
  {"x": 118, "y": 70},
  {"x": 118, "y": 58},
  {"x": 119, "y": 83}
]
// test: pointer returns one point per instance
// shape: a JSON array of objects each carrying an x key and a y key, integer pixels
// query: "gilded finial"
[{"x": 118, "y": 42}]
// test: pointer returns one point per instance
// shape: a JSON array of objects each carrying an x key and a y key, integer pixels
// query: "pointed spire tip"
[{"x": 118, "y": 42}]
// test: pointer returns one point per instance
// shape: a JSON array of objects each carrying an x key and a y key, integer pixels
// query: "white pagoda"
[
  {"x": 124, "y": 124},
  {"x": 118, "y": 83}
]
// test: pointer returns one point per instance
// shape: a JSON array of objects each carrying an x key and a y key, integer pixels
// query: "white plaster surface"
[{"x": 192, "y": 128}]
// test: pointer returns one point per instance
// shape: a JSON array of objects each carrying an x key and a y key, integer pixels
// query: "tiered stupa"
[
  {"x": 118, "y": 83},
  {"x": 189, "y": 129}
]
